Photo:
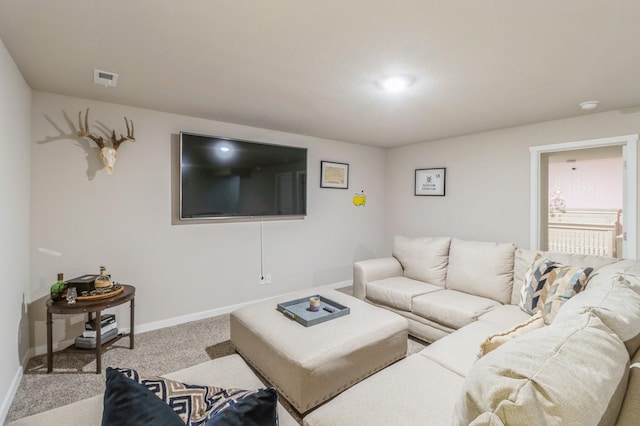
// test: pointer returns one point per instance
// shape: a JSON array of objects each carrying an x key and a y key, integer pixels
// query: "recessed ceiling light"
[
  {"x": 396, "y": 83},
  {"x": 589, "y": 105}
]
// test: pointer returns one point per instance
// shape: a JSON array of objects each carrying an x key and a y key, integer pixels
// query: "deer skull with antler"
[{"x": 107, "y": 153}]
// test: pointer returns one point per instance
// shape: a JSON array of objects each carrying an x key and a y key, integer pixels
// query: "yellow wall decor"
[{"x": 359, "y": 199}]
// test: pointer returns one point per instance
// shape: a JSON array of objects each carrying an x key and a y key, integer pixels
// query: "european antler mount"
[{"x": 107, "y": 153}]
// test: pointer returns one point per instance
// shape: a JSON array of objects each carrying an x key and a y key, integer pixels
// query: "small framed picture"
[
  {"x": 430, "y": 181},
  {"x": 334, "y": 175}
]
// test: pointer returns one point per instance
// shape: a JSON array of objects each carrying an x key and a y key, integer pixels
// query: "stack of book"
[{"x": 108, "y": 331}]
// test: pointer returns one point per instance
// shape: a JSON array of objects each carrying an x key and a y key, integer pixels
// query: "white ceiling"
[{"x": 310, "y": 67}]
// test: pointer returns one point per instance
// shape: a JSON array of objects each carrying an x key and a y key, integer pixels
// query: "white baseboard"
[
  {"x": 169, "y": 322},
  {"x": 11, "y": 393}
]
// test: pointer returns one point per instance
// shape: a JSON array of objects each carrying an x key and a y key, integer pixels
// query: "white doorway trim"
[{"x": 629, "y": 145}]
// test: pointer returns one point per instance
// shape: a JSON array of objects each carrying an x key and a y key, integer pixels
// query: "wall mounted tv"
[{"x": 230, "y": 178}]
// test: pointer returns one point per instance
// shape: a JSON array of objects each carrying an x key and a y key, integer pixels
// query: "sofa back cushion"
[
  {"x": 481, "y": 268},
  {"x": 614, "y": 302},
  {"x": 524, "y": 259},
  {"x": 539, "y": 377},
  {"x": 423, "y": 259}
]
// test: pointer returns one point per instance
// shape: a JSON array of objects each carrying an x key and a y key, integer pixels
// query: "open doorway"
[
  {"x": 585, "y": 192},
  {"x": 589, "y": 224}
]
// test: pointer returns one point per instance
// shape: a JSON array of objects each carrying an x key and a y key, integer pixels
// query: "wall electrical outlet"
[{"x": 264, "y": 279}]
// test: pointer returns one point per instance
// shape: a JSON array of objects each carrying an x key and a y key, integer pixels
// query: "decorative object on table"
[
  {"x": 82, "y": 342},
  {"x": 72, "y": 295},
  {"x": 107, "y": 153},
  {"x": 58, "y": 289},
  {"x": 300, "y": 310},
  {"x": 83, "y": 284},
  {"x": 101, "y": 294},
  {"x": 334, "y": 175},
  {"x": 103, "y": 282},
  {"x": 103, "y": 330},
  {"x": 314, "y": 303},
  {"x": 430, "y": 181},
  {"x": 105, "y": 319},
  {"x": 359, "y": 199}
]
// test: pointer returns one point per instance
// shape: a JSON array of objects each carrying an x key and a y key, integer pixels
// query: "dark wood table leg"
[
  {"x": 98, "y": 342},
  {"x": 49, "y": 342},
  {"x": 131, "y": 332}
]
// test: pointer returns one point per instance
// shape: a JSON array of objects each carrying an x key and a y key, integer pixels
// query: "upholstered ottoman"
[{"x": 309, "y": 365}]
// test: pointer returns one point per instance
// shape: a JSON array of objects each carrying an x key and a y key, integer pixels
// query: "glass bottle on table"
[
  {"x": 72, "y": 295},
  {"x": 103, "y": 282}
]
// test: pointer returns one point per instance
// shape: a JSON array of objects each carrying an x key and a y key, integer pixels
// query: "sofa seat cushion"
[
  {"x": 505, "y": 316},
  {"x": 398, "y": 292},
  {"x": 452, "y": 308},
  {"x": 481, "y": 268},
  {"x": 423, "y": 259},
  {"x": 457, "y": 351},
  {"x": 402, "y": 394},
  {"x": 537, "y": 378}
]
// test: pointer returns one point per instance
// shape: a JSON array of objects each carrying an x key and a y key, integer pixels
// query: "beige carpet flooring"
[{"x": 156, "y": 352}]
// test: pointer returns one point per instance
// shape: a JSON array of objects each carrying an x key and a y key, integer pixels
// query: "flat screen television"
[{"x": 231, "y": 178}]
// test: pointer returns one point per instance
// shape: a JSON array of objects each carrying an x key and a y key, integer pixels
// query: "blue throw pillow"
[{"x": 127, "y": 403}]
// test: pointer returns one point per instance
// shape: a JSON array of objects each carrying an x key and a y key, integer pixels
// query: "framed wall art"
[
  {"x": 334, "y": 175},
  {"x": 430, "y": 181}
]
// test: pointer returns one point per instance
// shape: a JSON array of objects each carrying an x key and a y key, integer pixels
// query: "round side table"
[{"x": 93, "y": 309}]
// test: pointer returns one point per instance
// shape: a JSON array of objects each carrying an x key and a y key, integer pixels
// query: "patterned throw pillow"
[
  {"x": 535, "y": 279},
  {"x": 199, "y": 405},
  {"x": 563, "y": 283}
]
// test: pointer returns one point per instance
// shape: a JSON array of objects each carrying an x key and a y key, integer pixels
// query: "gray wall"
[
  {"x": 487, "y": 181},
  {"x": 15, "y": 137},
  {"x": 84, "y": 218}
]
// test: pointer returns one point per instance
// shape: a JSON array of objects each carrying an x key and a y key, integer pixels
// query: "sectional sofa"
[{"x": 494, "y": 359}]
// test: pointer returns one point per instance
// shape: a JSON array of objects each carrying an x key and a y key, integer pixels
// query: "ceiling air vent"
[{"x": 105, "y": 78}]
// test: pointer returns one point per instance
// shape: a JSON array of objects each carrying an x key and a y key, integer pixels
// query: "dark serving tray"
[{"x": 299, "y": 311}]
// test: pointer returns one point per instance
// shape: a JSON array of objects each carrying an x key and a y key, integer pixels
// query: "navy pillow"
[
  {"x": 255, "y": 409},
  {"x": 129, "y": 403}
]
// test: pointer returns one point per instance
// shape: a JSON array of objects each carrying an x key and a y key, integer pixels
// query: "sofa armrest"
[{"x": 371, "y": 270}]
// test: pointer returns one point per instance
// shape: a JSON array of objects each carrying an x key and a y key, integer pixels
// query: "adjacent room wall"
[
  {"x": 15, "y": 131},
  {"x": 487, "y": 179},
  {"x": 84, "y": 218},
  {"x": 589, "y": 184}
]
